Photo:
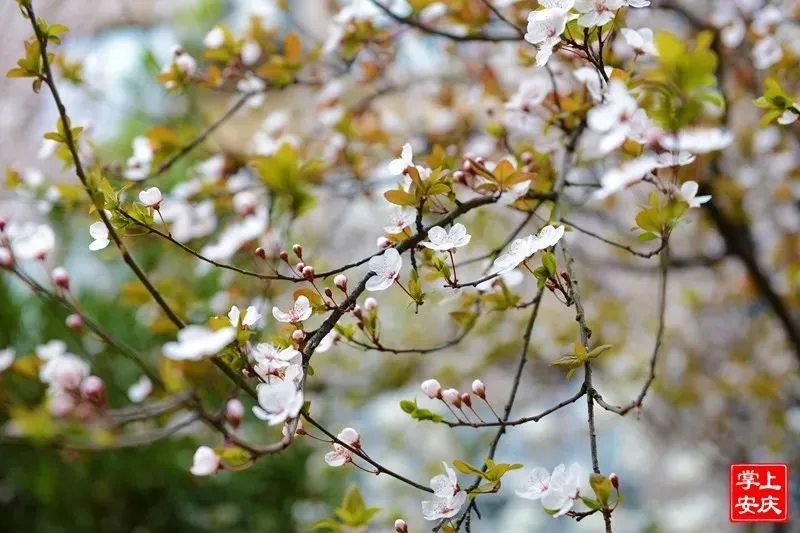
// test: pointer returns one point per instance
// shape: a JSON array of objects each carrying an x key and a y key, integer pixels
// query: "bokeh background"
[{"x": 728, "y": 388}]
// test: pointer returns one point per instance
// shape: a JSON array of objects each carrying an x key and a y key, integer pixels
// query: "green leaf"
[
  {"x": 495, "y": 472},
  {"x": 549, "y": 262},
  {"x": 602, "y": 487},
  {"x": 399, "y": 197},
  {"x": 408, "y": 406},
  {"x": 595, "y": 352},
  {"x": 466, "y": 468},
  {"x": 647, "y": 236},
  {"x": 326, "y": 524}
]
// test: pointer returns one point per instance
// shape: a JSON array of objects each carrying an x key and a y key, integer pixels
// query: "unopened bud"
[
  {"x": 74, "y": 322},
  {"x": 480, "y": 160},
  {"x": 60, "y": 277},
  {"x": 261, "y": 253},
  {"x": 614, "y": 480},
  {"x": 308, "y": 272},
  {"x": 400, "y": 526},
  {"x": 298, "y": 335},
  {"x": 479, "y": 389},
  {"x": 328, "y": 292},
  {"x": 465, "y": 399},
  {"x": 452, "y": 396},
  {"x": 383, "y": 242},
  {"x": 550, "y": 285},
  {"x": 94, "y": 390},
  {"x": 298, "y": 251},
  {"x": 300, "y": 266},
  {"x": 6, "y": 258},
  {"x": 284, "y": 255},
  {"x": 234, "y": 412},
  {"x": 341, "y": 282},
  {"x": 467, "y": 166},
  {"x": 357, "y": 312},
  {"x": 459, "y": 176},
  {"x": 371, "y": 304},
  {"x": 565, "y": 277},
  {"x": 526, "y": 158},
  {"x": 431, "y": 388}
]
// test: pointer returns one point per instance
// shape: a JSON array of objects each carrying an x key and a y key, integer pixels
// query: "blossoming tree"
[{"x": 554, "y": 112}]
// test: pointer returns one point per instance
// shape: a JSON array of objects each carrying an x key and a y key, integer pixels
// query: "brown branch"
[
  {"x": 645, "y": 255},
  {"x": 414, "y": 23}
]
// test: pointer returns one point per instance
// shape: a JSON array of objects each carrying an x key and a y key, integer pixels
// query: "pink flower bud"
[
  {"x": 284, "y": 255},
  {"x": 341, "y": 282},
  {"x": 465, "y": 399},
  {"x": 467, "y": 166},
  {"x": 480, "y": 160},
  {"x": 234, "y": 412},
  {"x": 298, "y": 335},
  {"x": 371, "y": 304},
  {"x": 300, "y": 266},
  {"x": 261, "y": 253},
  {"x": 526, "y": 158},
  {"x": 614, "y": 480},
  {"x": 400, "y": 526},
  {"x": 357, "y": 312},
  {"x": 452, "y": 396},
  {"x": 94, "y": 390},
  {"x": 298, "y": 251},
  {"x": 6, "y": 258},
  {"x": 328, "y": 292},
  {"x": 60, "y": 277},
  {"x": 74, "y": 322},
  {"x": 431, "y": 388},
  {"x": 479, "y": 389},
  {"x": 383, "y": 242},
  {"x": 459, "y": 175},
  {"x": 308, "y": 272}
]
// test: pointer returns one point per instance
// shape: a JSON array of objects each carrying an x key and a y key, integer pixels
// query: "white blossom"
[
  {"x": 544, "y": 30},
  {"x": 7, "y": 356},
  {"x": 31, "y": 241},
  {"x": 138, "y": 165},
  {"x": 64, "y": 372},
  {"x": 51, "y": 349},
  {"x": 195, "y": 342},
  {"x": 766, "y": 53},
  {"x": 214, "y": 38},
  {"x": 448, "y": 496},
  {"x": 597, "y": 12},
  {"x": 442, "y": 240},
  {"x": 278, "y": 401},
  {"x": 140, "y": 390},
  {"x": 400, "y": 218},
  {"x": 150, "y": 197},
  {"x": 300, "y": 310},
  {"x": 406, "y": 159},
  {"x": 689, "y": 194},
  {"x": 269, "y": 359},
  {"x": 251, "y": 52},
  {"x": 617, "y": 179},
  {"x": 790, "y": 115},
  {"x": 99, "y": 232},
  {"x": 386, "y": 267},
  {"x": 521, "y": 249},
  {"x": 254, "y": 86},
  {"x": 698, "y": 140},
  {"x": 251, "y": 317},
  {"x": 341, "y": 455},
  {"x": 558, "y": 491},
  {"x": 640, "y": 40},
  {"x": 205, "y": 462},
  {"x": 613, "y": 118}
]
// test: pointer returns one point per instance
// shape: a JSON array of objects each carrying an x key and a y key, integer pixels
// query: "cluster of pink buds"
[{"x": 454, "y": 398}]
